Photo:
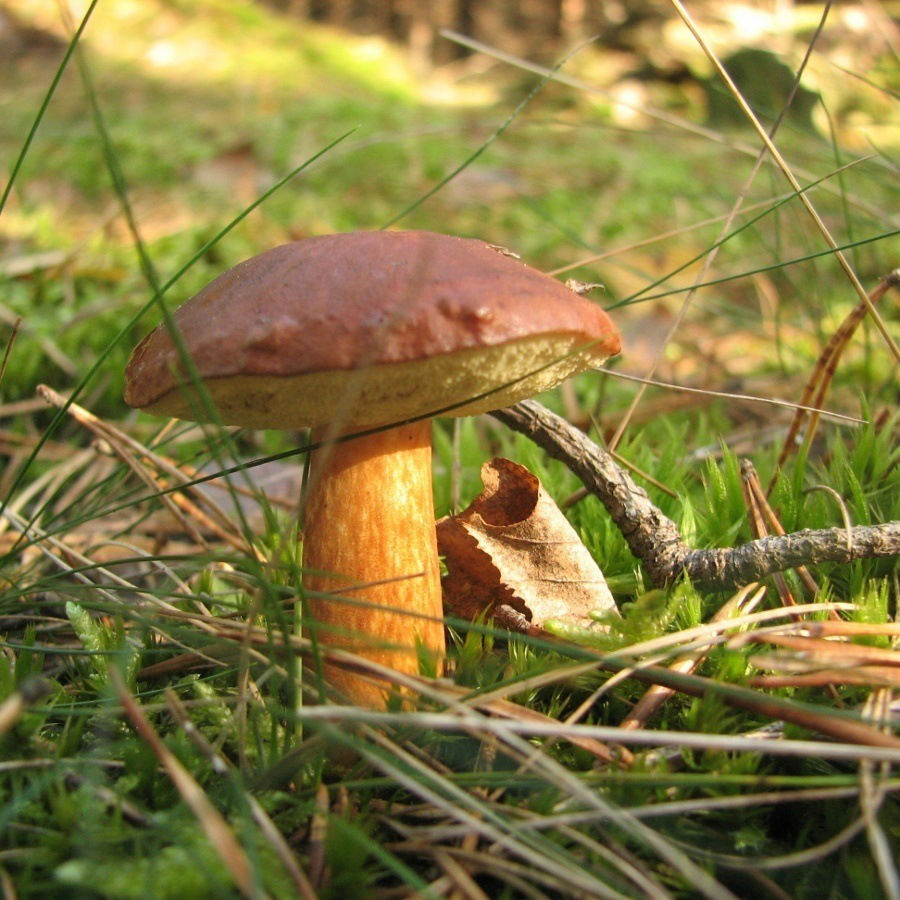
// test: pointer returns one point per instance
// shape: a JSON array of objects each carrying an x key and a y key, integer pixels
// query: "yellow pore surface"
[{"x": 464, "y": 383}]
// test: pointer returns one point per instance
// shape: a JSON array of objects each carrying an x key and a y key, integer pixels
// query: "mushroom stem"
[{"x": 370, "y": 522}]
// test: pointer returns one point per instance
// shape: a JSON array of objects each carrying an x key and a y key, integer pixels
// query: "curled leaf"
[{"x": 514, "y": 553}]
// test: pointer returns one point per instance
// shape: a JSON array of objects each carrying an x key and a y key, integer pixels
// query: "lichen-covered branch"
[
  {"x": 750, "y": 562},
  {"x": 654, "y": 539}
]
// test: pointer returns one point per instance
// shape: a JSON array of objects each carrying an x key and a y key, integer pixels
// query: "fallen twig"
[{"x": 655, "y": 540}]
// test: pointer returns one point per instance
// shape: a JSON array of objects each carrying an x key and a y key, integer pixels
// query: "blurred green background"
[{"x": 208, "y": 103}]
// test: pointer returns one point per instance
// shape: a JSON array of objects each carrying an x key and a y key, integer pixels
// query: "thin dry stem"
[
  {"x": 133, "y": 454},
  {"x": 869, "y": 676},
  {"x": 886, "y": 749},
  {"x": 757, "y": 522},
  {"x": 789, "y": 175},
  {"x": 744, "y": 601},
  {"x": 754, "y": 487},
  {"x": 824, "y": 371}
]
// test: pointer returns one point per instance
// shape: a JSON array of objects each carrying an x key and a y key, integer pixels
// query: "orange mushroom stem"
[{"x": 370, "y": 560}]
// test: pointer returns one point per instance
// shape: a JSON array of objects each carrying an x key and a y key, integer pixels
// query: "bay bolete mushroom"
[{"x": 349, "y": 332}]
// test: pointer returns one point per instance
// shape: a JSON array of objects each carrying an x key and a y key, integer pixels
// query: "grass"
[{"x": 153, "y": 739}]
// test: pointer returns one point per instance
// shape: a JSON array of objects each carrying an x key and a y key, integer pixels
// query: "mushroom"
[{"x": 349, "y": 333}]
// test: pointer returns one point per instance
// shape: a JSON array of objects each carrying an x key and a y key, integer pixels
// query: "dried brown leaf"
[{"x": 513, "y": 548}]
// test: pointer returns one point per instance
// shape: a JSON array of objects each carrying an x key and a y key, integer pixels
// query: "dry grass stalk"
[
  {"x": 873, "y": 676},
  {"x": 318, "y": 832},
  {"x": 701, "y": 636},
  {"x": 468, "y": 810},
  {"x": 763, "y": 515},
  {"x": 852, "y": 629},
  {"x": 825, "y": 369},
  {"x": 789, "y": 175},
  {"x": 134, "y": 455},
  {"x": 45, "y": 483},
  {"x": 776, "y": 708},
  {"x": 816, "y": 650},
  {"x": 744, "y": 601},
  {"x": 881, "y": 748},
  {"x": 462, "y": 885},
  {"x": 871, "y": 798},
  {"x": 758, "y": 526},
  {"x": 118, "y": 447},
  {"x": 17, "y": 324},
  {"x": 506, "y": 835},
  {"x": 819, "y": 662},
  {"x": 822, "y": 721}
]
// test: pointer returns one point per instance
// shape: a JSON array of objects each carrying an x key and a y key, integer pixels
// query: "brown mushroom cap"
[{"x": 373, "y": 328}]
